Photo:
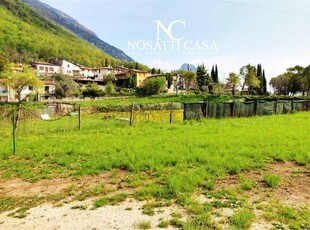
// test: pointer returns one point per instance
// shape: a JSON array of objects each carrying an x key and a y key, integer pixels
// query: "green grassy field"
[{"x": 162, "y": 161}]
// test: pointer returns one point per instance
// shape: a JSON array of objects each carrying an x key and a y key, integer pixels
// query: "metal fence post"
[
  {"x": 14, "y": 133},
  {"x": 79, "y": 118},
  {"x": 170, "y": 118},
  {"x": 131, "y": 114}
]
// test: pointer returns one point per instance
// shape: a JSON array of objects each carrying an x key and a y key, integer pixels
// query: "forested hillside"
[
  {"x": 78, "y": 29},
  {"x": 26, "y": 36}
]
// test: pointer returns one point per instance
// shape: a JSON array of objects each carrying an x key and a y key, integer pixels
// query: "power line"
[{"x": 262, "y": 8}]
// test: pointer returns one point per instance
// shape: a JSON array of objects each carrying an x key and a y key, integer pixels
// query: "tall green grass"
[{"x": 179, "y": 157}]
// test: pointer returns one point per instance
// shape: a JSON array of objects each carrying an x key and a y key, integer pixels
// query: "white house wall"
[
  {"x": 69, "y": 68},
  {"x": 43, "y": 70}
]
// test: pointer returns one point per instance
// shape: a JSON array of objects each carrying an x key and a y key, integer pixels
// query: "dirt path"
[
  {"x": 123, "y": 216},
  {"x": 294, "y": 190}
]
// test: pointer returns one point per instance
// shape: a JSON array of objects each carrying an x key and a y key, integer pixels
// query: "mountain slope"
[
  {"x": 26, "y": 36},
  {"x": 187, "y": 66},
  {"x": 73, "y": 25}
]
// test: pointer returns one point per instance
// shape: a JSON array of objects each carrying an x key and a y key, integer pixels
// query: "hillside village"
[{"x": 80, "y": 74}]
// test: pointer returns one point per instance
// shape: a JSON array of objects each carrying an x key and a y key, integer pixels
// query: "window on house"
[
  {"x": 68, "y": 65},
  {"x": 30, "y": 88},
  {"x": 51, "y": 69},
  {"x": 41, "y": 68}
]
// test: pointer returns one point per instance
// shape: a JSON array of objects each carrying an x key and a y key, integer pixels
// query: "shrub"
[
  {"x": 110, "y": 89},
  {"x": 92, "y": 90},
  {"x": 155, "y": 85}
]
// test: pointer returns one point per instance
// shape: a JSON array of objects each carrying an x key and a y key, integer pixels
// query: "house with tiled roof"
[
  {"x": 45, "y": 69},
  {"x": 122, "y": 76}
]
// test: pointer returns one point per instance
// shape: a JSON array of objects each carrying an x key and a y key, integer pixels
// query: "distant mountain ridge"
[
  {"x": 187, "y": 66},
  {"x": 77, "y": 28}
]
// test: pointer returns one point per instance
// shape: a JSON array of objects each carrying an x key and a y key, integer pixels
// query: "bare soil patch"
[
  {"x": 294, "y": 188},
  {"x": 20, "y": 188}
]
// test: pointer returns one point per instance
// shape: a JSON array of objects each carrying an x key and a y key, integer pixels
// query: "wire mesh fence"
[
  {"x": 71, "y": 118},
  {"x": 243, "y": 109}
]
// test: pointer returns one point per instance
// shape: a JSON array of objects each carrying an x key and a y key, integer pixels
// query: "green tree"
[
  {"x": 169, "y": 79},
  {"x": 281, "y": 84},
  {"x": 213, "y": 73},
  {"x": 233, "y": 80},
  {"x": 264, "y": 85},
  {"x": 216, "y": 75},
  {"x": 110, "y": 88},
  {"x": 106, "y": 63},
  {"x": 18, "y": 80},
  {"x": 189, "y": 77},
  {"x": 66, "y": 87},
  {"x": 259, "y": 75},
  {"x": 296, "y": 79},
  {"x": 306, "y": 76},
  {"x": 92, "y": 90},
  {"x": 131, "y": 80},
  {"x": 3, "y": 63},
  {"x": 201, "y": 75},
  {"x": 248, "y": 74},
  {"x": 155, "y": 85},
  {"x": 108, "y": 78}
]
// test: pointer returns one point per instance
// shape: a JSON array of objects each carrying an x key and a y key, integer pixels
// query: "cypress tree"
[
  {"x": 213, "y": 73},
  {"x": 216, "y": 75},
  {"x": 264, "y": 83},
  {"x": 106, "y": 64},
  {"x": 201, "y": 76},
  {"x": 137, "y": 65}
]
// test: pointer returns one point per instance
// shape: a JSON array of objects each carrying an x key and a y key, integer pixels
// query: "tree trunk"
[
  {"x": 19, "y": 109},
  {"x": 243, "y": 85}
]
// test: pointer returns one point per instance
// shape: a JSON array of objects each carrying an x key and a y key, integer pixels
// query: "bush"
[
  {"x": 92, "y": 90},
  {"x": 154, "y": 85},
  {"x": 127, "y": 91},
  {"x": 110, "y": 89}
]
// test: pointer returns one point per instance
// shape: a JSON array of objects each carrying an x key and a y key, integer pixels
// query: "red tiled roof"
[
  {"x": 121, "y": 73},
  {"x": 43, "y": 63},
  {"x": 49, "y": 83}
]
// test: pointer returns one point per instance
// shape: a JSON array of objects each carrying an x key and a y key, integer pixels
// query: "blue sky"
[{"x": 274, "y": 33}]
